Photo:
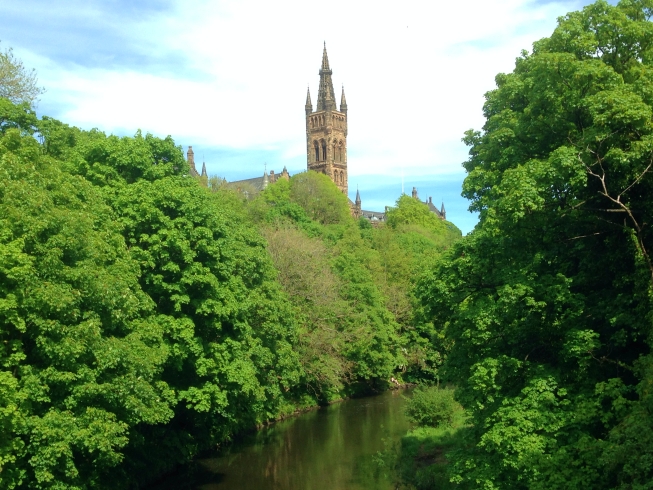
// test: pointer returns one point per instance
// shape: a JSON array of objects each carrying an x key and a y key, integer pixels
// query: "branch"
[{"x": 622, "y": 207}]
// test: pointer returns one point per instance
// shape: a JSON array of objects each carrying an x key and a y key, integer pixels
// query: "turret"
[
  {"x": 190, "y": 155},
  {"x": 343, "y": 102},
  {"x": 309, "y": 104},
  {"x": 414, "y": 193}
]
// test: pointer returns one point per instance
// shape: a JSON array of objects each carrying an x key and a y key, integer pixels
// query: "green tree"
[
  {"x": 81, "y": 353},
  {"x": 319, "y": 197},
  {"x": 304, "y": 270},
  {"x": 17, "y": 83},
  {"x": 546, "y": 306},
  {"x": 413, "y": 239},
  {"x": 225, "y": 321},
  {"x": 140, "y": 319}
]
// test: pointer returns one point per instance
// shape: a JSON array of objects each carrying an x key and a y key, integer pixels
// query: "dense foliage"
[
  {"x": 144, "y": 317},
  {"x": 350, "y": 286},
  {"x": 545, "y": 309},
  {"x": 141, "y": 318}
]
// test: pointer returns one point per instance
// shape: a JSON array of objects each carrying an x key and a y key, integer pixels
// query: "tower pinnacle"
[
  {"x": 309, "y": 104},
  {"x": 326, "y": 100},
  {"x": 191, "y": 161},
  {"x": 343, "y": 102}
]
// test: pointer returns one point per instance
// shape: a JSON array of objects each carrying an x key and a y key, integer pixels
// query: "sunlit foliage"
[{"x": 545, "y": 309}]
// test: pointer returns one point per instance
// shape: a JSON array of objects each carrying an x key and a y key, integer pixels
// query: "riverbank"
[{"x": 299, "y": 410}]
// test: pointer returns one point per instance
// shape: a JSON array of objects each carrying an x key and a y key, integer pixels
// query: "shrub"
[{"x": 432, "y": 407}]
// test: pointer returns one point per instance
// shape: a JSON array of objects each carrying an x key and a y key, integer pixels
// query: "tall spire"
[
  {"x": 358, "y": 197},
  {"x": 204, "y": 174},
  {"x": 343, "y": 101},
  {"x": 309, "y": 104},
  {"x": 325, "y": 58},
  {"x": 326, "y": 100}
]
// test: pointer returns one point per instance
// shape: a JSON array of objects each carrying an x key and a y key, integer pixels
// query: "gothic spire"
[
  {"x": 309, "y": 104},
  {"x": 343, "y": 101},
  {"x": 325, "y": 59},
  {"x": 358, "y": 197},
  {"x": 326, "y": 100},
  {"x": 204, "y": 174}
]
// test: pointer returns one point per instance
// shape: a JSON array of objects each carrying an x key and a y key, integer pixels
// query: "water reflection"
[{"x": 331, "y": 448}]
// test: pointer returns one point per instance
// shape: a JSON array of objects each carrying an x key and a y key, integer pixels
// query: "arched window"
[
  {"x": 342, "y": 177},
  {"x": 335, "y": 152},
  {"x": 340, "y": 152},
  {"x": 317, "y": 151},
  {"x": 324, "y": 151}
]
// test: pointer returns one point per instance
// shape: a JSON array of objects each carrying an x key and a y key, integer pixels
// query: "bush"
[{"x": 432, "y": 407}]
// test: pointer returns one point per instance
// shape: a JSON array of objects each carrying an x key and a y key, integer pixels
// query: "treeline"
[
  {"x": 545, "y": 308},
  {"x": 145, "y": 317}
]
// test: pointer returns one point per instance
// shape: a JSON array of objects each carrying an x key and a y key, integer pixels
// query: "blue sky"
[{"x": 230, "y": 78}]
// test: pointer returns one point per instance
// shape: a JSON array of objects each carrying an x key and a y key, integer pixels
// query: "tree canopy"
[
  {"x": 545, "y": 309},
  {"x": 146, "y": 315},
  {"x": 141, "y": 318}
]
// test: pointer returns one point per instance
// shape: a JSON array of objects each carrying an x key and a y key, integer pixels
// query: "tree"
[
  {"x": 319, "y": 197},
  {"x": 305, "y": 273},
  {"x": 226, "y": 323},
  {"x": 81, "y": 353},
  {"x": 546, "y": 306},
  {"x": 140, "y": 319},
  {"x": 17, "y": 83}
]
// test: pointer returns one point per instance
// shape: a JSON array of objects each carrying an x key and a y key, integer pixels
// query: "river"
[{"x": 331, "y": 448}]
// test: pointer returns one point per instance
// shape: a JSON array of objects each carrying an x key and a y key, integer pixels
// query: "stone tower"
[{"x": 326, "y": 130}]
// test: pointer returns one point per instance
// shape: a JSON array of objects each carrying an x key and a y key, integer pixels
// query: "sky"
[{"x": 230, "y": 78}]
